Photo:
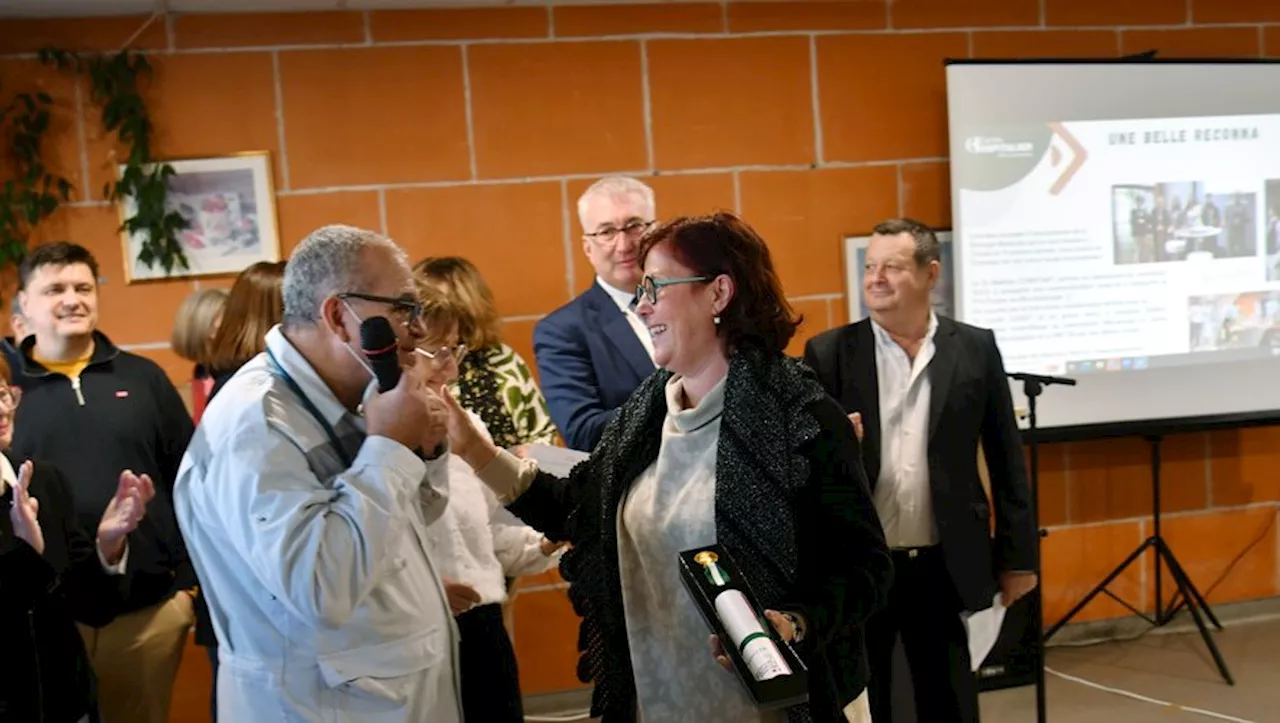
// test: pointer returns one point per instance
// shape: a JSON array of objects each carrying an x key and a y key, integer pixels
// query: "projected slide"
[{"x": 1108, "y": 246}]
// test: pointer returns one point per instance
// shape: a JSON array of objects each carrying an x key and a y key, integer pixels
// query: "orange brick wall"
[{"x": 473, "y": 131}]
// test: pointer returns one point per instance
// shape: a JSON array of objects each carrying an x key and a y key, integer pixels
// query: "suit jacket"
[
  {"x": 590, "y": 361},
  {"x": 970, "y": 404}
]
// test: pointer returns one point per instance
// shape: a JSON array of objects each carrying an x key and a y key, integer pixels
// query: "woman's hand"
[
  {"x": 462, "y": 597},
  {"x": 464, "y": 439},
  {"x": 549, "y": 548},
  {"x": 125, "y": 510},
  {"x": 786, "y": 630},
  {"x": 22, "y": 514},
  {"x": 856, "y": 420}
]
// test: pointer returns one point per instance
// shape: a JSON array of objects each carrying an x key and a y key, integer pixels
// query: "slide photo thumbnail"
[
  {"x": 1179, "y": 221},
  {"x": 1272, "y": 253},
  {"x": 1234, "y": 321}
]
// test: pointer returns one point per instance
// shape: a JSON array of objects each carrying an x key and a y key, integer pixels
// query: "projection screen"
[{"x": 1118, "y": 223}]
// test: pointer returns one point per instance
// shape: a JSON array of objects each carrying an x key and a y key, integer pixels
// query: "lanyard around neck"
[{"x": 334, "y": 441}]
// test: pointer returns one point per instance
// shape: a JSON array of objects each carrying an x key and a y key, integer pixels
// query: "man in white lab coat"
[{"x": 304, "y": 496}]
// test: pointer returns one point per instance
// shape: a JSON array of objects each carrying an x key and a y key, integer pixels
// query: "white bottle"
[{"x": 763, "y": 658}]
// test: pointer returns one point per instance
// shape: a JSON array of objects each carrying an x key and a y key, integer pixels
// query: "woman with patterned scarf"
[{"x": 730, "y": 442}]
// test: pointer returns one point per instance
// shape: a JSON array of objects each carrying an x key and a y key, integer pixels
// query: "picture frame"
[
  {"x": 229, "y": 203},
  {"x": 853, "y": 254}
]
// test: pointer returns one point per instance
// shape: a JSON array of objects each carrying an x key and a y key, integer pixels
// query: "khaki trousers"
[{"x": 136, "y": 659}]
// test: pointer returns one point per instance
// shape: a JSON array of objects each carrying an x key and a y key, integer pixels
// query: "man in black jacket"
[
  {"x": 925, "y": 391},
  {"x": 94, "y": 410}
]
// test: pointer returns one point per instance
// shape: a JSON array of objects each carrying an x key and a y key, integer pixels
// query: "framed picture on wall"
[
  {"x": 854, "y": 253},
  {"x": 229, "y": 204}
]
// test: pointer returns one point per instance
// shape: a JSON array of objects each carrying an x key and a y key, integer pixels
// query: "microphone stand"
[{"x": 1032, "y": 386}]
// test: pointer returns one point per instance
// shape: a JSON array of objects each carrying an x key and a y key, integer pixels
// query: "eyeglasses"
[
  {"x": 405, "y": 310},
  {"x": 648, "y": 288},
  {"x": 10, "y": 396},
  {"x": 442, "y": 354},
  {"x": 608, "y": 236}
]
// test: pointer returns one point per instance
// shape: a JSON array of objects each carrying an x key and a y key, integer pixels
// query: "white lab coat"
[{"x": 319, "y": 580}]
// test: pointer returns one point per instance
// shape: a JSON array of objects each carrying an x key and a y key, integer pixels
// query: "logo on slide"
[
  {"x": 990, "y": 158},
  {"x": 995, "y": 145},
  {"x": 1078, "y": 155}
]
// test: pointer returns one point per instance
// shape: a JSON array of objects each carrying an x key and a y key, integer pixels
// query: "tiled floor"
[{"x": 1174, "y": 668}]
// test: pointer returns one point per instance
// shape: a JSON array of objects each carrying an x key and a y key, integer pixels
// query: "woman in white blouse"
[{"x": 477, "y": 545}]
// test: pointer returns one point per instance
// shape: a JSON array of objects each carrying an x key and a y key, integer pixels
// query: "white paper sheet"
[
  {"x": 558, "y": 461},
  {"x": 983, "y": 629}
]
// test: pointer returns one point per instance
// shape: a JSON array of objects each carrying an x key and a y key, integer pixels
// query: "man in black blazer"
[
  {"x": 925, "y": 391},
  {"x": 593, "y": 352}
]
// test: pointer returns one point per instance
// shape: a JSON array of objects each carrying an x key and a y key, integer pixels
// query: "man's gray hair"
[
  {"x": 330, "y": 260},
  {"x": 15, "y": 306},
  {"x": 616, "y": 186}
]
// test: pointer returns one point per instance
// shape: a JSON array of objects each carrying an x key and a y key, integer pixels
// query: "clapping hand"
[
  {"x": 124, "y": 511},
  {"x": 22, "y": 514}
]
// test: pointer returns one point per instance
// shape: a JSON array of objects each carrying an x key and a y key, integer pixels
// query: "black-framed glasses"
[
  {"x": 442, "y": 354},
  {"x": 405, "y": 310},
  {"x": 608, "y": 235},
  {"x": 648, "y": 288}
]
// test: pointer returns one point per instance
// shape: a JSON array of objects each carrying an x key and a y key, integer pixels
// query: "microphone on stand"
[{"x": 379, "y": 344}]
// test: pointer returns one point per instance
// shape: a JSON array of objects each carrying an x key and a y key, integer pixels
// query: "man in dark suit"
[
  {"x": 594, "y": 351},
  {"x": 925, "y": 390}
]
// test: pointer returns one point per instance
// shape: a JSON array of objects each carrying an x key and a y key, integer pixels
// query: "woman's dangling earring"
[{"x": 716, "y": 319}]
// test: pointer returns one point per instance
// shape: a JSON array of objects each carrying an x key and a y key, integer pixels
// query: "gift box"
[{"x": 768, "y": 668}]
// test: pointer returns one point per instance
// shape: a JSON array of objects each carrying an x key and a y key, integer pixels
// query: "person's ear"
[
  {"x": 333, "y": 315},
  {"x": 722, "y": 292},
  {"x": 935, "y": 272}
]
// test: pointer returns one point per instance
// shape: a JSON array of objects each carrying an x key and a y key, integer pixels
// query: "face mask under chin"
[{"x": 371, "y": 387}]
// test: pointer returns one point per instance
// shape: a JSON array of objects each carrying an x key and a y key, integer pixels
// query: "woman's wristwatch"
[{"x": 797, "y": 623}]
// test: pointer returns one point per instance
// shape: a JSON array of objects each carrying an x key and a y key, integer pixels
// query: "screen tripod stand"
[{"x": 1186, "y": 590}]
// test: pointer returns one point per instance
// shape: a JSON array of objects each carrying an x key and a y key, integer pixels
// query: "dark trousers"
[
  {"x": 213, "y": 691},
  {"x": 925, "y": 609},
  {"x": 490, "y": 681}
]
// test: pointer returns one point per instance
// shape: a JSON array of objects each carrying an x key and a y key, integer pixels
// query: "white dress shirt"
[
  {"x": 902, "y": 495},
  {"x": 312, "y": 549},
  {"x": 623, "y": 299}
]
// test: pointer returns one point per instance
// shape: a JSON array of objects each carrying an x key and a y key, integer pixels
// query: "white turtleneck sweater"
[{"x": 671, "y": 508}]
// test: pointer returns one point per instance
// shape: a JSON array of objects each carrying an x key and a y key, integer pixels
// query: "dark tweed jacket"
[{"x": 792, "y": 506}]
